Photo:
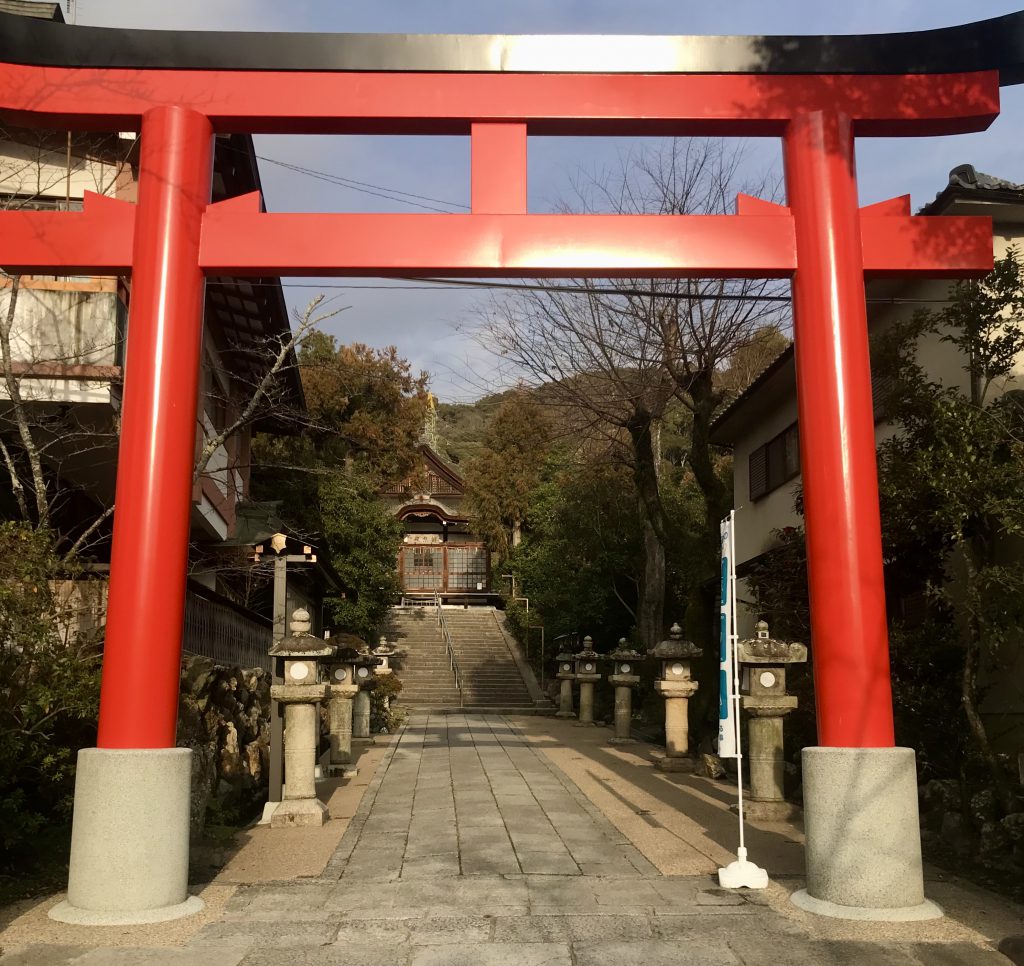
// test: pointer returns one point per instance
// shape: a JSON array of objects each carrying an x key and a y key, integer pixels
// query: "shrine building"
[{"x": 440, "y": 553}]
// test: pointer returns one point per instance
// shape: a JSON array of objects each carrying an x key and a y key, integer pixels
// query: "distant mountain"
[{"x": 461, "y": 426}]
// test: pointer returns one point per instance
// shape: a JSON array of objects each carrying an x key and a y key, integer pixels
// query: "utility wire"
[{"x": 442, "y": 284}]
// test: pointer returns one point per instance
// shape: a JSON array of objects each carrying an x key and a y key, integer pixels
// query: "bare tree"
[{"x": 618, "y": 352}]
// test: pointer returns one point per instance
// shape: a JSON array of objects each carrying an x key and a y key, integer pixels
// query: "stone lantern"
[
  {"x": 624, "y": 676},
  {"x": 587, "y": 674},
  {"x": 565, "y": 675},
  {"x": 384, "y": 651},
  {"x": 676, "y": 686},
  {"x": 366, "y": 681},
  {"x": 341, "y": 673},
  {"x": 763, "y": 696},
  {"x": 301, "y": 695}
]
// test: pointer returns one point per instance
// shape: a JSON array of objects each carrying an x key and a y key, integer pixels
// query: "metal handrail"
[{"x": 449, "y": 650}]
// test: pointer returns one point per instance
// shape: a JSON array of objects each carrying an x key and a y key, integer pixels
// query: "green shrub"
[
  {"x": 385, "y": 718},
  {"x": 49, "y": 689}
]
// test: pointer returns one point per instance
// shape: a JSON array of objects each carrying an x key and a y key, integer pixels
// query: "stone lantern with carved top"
[
  {"x": 763, "y": 697},
  {"x": 624, "y": 676},
  {"x": 588, "y": 675},
  {"x": 384, "y": 651},
  {"x": 341, "y": 674},
  {"x": 365, "y": 665},
  {"x": 677, "y": 687},
  {"x": 301, "y": 694}
]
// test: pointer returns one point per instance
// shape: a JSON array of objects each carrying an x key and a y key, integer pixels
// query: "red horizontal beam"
[
  {"x": 894, "y": 244},
  {"x": 95, "y": 241},
  {"x": 238, "y": 239},
  {"x": 440, "y": 103}
]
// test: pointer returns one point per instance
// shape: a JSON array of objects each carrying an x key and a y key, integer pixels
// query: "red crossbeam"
[
  {"x": 440, "y": 103},
  {"x": 238, "y": 239},
  {"x": 94, "y": 241}
]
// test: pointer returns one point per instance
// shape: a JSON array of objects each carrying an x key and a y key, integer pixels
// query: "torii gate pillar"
[{"x": 130, "y": 835}]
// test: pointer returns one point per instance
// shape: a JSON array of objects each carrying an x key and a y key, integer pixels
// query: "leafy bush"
[
  {"x": 385, "y": 718},
  {"x": 49, "y": 688}
]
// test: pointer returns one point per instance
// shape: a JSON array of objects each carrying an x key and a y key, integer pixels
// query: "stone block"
[{"x": 300, "y": 813}]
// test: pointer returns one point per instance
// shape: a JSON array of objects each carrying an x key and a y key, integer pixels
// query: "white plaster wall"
[{"x": 35, "y": 170}]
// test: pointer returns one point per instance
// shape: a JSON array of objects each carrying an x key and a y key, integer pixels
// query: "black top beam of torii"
[{"x": 995, "y": 44}]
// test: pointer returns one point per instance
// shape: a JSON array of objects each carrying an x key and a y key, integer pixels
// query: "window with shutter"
[
  {"x": 758, "y": 472},
  {"x": 775, "y": 463},
  {"x": 882, "y": 387}
]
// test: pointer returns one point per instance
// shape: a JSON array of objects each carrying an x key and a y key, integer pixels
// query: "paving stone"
[
  {"x": 495, "y": 954},
  {"x": 427, "y": 866},
  {"x": 652, "y": 952},
  {"x": 436, "y": 844},
  {"x": 128, "y": 956},
  {"x": 262, "y": 933},
  {"x": 354, "y": 954},
  {"x": 536, "y": 840},
  {"x": 489, "y": 862},
  {"x": 625, "y": 892},
  {"x": 41, "y": 955},
  {"x": 610, "y": 868},
  {"x": 449, "y": 930},
  {"x": 547, "y": 863},
  {"x": 569, "y": 928},
  {"x": 393, "y": 932},
  {"x": 480, "y": 819},
  {"x": 305, "y": 900},
  {"x": 802, "y": 952},
  {"x": 956, "y": 954}
]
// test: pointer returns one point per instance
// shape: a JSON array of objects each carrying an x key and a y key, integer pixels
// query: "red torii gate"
[{"x": 173, "y": 237}]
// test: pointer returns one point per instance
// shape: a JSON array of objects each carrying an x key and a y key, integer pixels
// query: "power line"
[
  {"x": 379, "y": 191},
  {"x": 442, "y": 284}
]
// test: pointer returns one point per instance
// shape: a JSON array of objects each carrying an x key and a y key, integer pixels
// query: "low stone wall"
[{"x": 224, "y": 717}]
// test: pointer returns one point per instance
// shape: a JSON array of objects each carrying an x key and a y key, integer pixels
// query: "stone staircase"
[
  {"x": 424, "y": 670},
  {"x": 491, "y": 679}
]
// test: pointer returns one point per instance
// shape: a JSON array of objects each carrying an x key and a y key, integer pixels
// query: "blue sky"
[{"x": 429, "y": 326}]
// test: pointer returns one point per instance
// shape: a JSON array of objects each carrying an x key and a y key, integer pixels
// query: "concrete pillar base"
[
  {"x": 65, "y": 912},
  {"x": 918, "y": 913},
  {"x": 302, "y": 812},
  {"x": 863, "y": 848},
  {"x": 585, "y": 724},
  {"x": 129, "y": 838},
  {"x": 565, "y": 714},
  {"x": 683, "y": 765},
  {"x": 342, "y": 771}
]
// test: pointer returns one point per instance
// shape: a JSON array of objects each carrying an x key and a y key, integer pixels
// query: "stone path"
[{"x": 471, "y": 847}]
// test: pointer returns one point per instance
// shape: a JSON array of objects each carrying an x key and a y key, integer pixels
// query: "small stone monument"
[
  {"x": 587, "y": 674},
  {"x": 566, "y": 676},
  {"x": 301, "y": 696},
  {"x": 341, "y": 672},
  {"x": 763, "y": 696},
  {"x": 676, "y": 686},
  {"x": 624, "y": 677}
]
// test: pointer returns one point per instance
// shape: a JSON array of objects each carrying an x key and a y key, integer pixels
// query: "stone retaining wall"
[{"x": 224, "y": 717}]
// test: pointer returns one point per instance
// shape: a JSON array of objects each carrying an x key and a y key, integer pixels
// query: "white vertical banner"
[
  {"x": 742, "y": 873},
  {"x": 726, "y": 644}
]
